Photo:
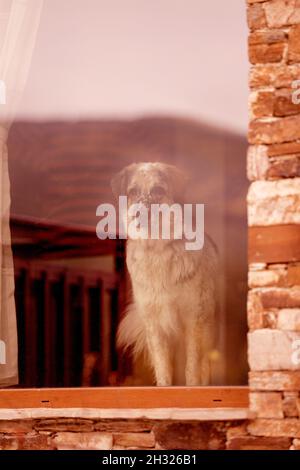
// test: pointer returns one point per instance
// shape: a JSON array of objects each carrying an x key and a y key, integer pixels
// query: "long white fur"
[{"x": 171, "y": 320}]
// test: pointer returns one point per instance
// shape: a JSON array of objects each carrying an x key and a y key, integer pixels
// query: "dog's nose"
[
  {"x": 146, "y": 200},
  {"x": 147, "y": 203},
  {"x": 143, "y": 204}
]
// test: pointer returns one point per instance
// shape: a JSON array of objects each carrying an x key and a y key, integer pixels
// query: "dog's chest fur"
[
  {"x": 164, "y": 278},
  {"x": 160, "y": 267}
]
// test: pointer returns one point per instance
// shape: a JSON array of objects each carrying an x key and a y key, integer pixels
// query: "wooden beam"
[
  {"x": 126, "y": 397},
  {"x": 39, "y": 239},
  {"x": 274, "y": 244}
]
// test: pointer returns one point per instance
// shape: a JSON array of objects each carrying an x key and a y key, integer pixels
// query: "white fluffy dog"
[{"x": 175, "y": 294}]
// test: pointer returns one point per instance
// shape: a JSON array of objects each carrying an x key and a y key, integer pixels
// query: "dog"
[{"x": 171, "y": 319}]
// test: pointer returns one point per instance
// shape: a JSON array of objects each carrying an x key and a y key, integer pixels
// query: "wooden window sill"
[{"x": 168, "y": 403}]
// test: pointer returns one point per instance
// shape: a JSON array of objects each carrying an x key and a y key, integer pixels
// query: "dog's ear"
[
  {"x": 179, "y": 181},
  {"x": 119, "y": 182}
]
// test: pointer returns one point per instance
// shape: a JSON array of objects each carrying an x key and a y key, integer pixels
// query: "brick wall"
[
  {"x": 107, "y": 434},
  {"x": 274, "y": 208},
  {"x": 87, "y": 434},
  {"x": 116, "y": 434}
]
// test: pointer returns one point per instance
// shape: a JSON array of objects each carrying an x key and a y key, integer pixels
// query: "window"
[{"x": 95, "y": 102}]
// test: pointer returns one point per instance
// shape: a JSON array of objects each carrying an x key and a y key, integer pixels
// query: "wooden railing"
[{"x": 66, "y": 324}]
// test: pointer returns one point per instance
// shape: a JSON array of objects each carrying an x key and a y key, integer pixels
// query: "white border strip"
[{"x": 191, "y": 414}]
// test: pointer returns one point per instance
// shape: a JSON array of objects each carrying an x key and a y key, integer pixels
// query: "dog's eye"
[
  {"x": 133, "y": 192},
  {"x": 158, "y": 191}
]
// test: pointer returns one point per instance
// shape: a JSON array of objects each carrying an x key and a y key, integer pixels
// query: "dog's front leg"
[
  {"x": 197, "y": 370},
  {"x": 160, "y": 354}
]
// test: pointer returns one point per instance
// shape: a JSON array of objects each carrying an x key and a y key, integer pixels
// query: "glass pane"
[{"x": 162, "y": 85}]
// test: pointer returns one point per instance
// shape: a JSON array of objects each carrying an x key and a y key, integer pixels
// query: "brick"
[
  {"x": 274, "y": 202},
  {"x": 294, "y": 44},
  {"x": 289, "y": 404},
  {"x": 266, "y": 278},
  {"x": 285, "y": 75},
  {"x": 293, "y": 275},
  {"x": 202, "y": 436},
  {"x": 8, "y": 442},
  {"x": 266, "y": 53},
  {"x": 256, "y": 17},
  {"x": 283, "y": 103},
  {"x": 274, "y": 130},
  {"x": 262, "y": 167},
  {"x": 254, "y": 311},
  {"x": 83, "y": 441},
  {"x": 272, "y": 350},
  {"x": 283, "y": 167},
  {"x": 267, "y": 37},
  {"x": 35, "y": 441},
  {"x": 266, "y": 405},
  {"x": 267, "y": 298},
  {"x": 264, "y": 302},
  {"x": 279, "y": 297},
  {"x": 261, "y": 104},
  {"x": 16, "y": 427},
  {"x": 274, "y": 380},
  {"x": 262, "y": 75},
  {"x": 282, "y": 12},
  {"x": 289, "y": 319},
  {"x": 134, "y": 439},
  {"x": 237, "y": 431},
  {"x": 64, "y": 424},
  {"x": 288, "y": 148},
  {"x": 124, "y": 425},
  {"x": 273, "y": 75},
  {"x": 30, "y": 441},
  {"x": 289, "y": 427},
  {"x": 259, "y": 443},
  {"x": 257, "y": 162}
]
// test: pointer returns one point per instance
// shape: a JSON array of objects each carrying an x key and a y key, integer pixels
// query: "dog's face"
[
  {"x": 146, "y": 184},
  {"x": 150, "y": 183}
]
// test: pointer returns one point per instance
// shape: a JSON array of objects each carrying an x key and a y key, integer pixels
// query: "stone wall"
[
  {"x": 274, "y": 208},
  {"x": 87, "y": 434}
]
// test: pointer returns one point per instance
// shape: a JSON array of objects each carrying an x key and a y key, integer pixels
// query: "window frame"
[{"x": 224, "y": 397}]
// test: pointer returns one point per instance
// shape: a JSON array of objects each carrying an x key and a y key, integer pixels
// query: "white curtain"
[{"x": 19, "y": 20}]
